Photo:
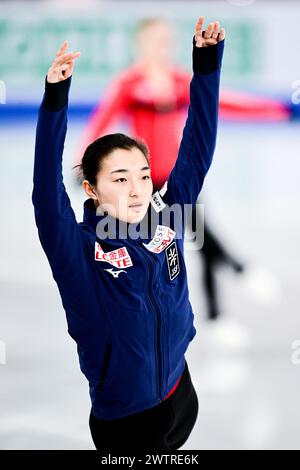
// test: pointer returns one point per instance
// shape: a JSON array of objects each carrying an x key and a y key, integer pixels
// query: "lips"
[{"x": 136, "y": 205}]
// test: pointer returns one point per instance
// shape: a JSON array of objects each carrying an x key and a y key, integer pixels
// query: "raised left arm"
[{"x": 200, "y": 132}]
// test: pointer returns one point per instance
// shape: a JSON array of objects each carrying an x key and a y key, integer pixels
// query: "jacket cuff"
[
  {"x": 207, "y": 59},
  {"x": 56, "y": 94}
]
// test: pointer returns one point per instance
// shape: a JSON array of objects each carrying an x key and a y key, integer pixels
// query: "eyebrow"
[{"x": 123, "y": 170}]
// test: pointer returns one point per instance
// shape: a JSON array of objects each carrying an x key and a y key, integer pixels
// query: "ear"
[{"x": 89, "y": 189}]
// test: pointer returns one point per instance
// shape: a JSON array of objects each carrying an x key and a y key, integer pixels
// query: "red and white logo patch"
[
  {"x": 163, "y": 237},
  {"x": 118, "y": 258}
]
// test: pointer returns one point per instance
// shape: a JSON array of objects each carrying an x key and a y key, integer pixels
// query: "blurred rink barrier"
[{"x": 30, "y": 32}]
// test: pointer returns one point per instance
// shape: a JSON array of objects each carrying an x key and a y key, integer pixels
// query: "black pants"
[{"x": 166, "y": 426}]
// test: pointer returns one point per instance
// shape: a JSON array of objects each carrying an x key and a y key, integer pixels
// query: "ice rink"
[{"x": 241, "y": 366}]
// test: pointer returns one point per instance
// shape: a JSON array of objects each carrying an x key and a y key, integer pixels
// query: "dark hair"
[{"x": 99, "y": 149}]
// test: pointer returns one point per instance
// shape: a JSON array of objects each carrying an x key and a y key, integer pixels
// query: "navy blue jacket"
[{"x": 126, "y": 298}]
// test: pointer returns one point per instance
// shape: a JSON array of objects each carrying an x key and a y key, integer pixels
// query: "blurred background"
[{"x": 245, "y": 364}]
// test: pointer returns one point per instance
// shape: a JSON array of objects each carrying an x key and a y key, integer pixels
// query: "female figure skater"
[{"x": 126, "y": 298}]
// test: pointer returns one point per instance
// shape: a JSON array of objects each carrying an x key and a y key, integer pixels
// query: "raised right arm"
[{"x": 58, "y": 230}]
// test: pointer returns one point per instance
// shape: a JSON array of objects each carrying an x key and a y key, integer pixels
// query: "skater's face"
[
  {"x": 155, "y": 42},
  {"x": 124, "y": 186}
]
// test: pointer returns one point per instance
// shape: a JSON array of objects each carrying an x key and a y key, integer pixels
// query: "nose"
[{"x": 135, "y": 190}]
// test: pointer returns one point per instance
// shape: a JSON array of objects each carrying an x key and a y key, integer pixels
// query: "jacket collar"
[
  {"x": 118, "y": 229},
  {"x": 90, "y": 216}
]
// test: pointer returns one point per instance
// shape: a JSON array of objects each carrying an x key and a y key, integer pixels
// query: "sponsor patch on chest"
[
  {"x": 162, "y": 238},
  {"x": 118, "y": 258},
  {"x": 172, "y": 261}
]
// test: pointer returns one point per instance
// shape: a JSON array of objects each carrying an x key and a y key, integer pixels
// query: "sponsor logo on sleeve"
[{"x": 157, "y": 202}]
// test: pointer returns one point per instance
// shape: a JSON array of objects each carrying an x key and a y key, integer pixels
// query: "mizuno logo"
[{"x": 115, "y": 273}]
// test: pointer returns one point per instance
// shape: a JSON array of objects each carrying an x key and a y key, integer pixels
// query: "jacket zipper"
[{"x": 158, "y": 323}]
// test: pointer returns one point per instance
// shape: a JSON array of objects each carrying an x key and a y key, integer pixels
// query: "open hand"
[
  {"x": 212, "y": 34},
  {"x": 63, "y": 64}
]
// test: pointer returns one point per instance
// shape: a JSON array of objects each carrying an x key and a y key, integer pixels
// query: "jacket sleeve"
[
  {"x": 199, "y": 135},
  {"x": 58, "y": 230}
]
